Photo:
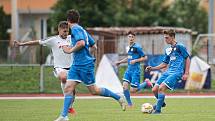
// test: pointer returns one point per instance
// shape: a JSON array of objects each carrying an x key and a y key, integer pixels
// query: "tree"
[
  {"x": 4, "y": 24},
  {"x": 106, "y": 13},
  {"x": 188, "y": 14}
]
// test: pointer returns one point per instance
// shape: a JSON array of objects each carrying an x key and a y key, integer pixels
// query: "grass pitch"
[{"x": 190, "y": 109}]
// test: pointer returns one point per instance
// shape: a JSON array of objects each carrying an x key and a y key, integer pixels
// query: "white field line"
[{"x": 99, "y": 97}]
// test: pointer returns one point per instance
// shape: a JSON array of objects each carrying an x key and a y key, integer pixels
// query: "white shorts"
[{"x": 58, "y": 70}]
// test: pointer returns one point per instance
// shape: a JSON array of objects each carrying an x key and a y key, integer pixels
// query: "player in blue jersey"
[
  {"x": 82, "y": 69},
  {"x": 133, "y": 72},
  {"x": 178, "y": 62}
]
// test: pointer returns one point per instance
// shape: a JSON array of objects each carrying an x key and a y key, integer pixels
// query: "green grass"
[
  {"x": 26, "y": 80},
  {"x": 107, "y": 110}
]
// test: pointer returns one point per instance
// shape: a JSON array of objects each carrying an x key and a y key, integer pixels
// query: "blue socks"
[
  {"x": 142, "y": 86},
  {"x": 107, "y": 93},
  {"x": 160, "y": 101},
  {"x": 127, "y": 96},
  {"x": 67, "y": 102}
]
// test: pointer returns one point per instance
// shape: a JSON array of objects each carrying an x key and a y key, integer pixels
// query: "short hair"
[
  {"x": 130, "y": 32},
  {"x": 170, "y": 32},
  {"x": 73, "y": 16},
  {"x": 63, "y": 24}
]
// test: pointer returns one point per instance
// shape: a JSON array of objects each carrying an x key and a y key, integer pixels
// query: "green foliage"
[
  {"x": 4, "y": 24},
  {"x": 27, "y": 80},
  {"x": 183, "y": 109},
  {"x": 105, "y": 13}
]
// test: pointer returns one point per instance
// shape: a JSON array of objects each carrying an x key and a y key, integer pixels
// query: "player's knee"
[
  {"x": 161, "y": 89},
  {"x": 63, "y": 78},
  {"x": 95, "y": 91},
  {"x": 133, "y": 90},
  {"x": 125, "y": 85},
  {"x": 69, "y": 90},
  {"x": 154, "y": 90}
]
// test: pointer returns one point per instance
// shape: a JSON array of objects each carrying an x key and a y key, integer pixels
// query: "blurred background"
[{"x": 29, "y": 69}]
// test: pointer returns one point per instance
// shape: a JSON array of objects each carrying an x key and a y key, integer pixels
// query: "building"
[
  {"x": 114, "y": 40},
  {"x": 28, "y": 22}
]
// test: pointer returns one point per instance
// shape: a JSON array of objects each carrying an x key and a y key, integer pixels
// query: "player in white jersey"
[{"x": 62, "y": 61}]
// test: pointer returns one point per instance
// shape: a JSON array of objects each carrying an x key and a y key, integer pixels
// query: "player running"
[
  {"x": 133, "y": 72},
  {"x": 62, "y": 61},
  {"x": 82, "y": 69},
  {"x": 178, "y": 62}
]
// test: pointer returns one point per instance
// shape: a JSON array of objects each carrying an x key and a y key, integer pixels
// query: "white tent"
[
  {"x": 106, "y": 76},
  {"x": 197, "y": 74}
]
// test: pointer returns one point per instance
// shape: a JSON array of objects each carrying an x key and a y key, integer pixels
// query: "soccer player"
[
  {"x": 133, "y": 72},
  {"x": 178, "y": 62},
  {"x": 62, "y": 61},
  {"x": 82, "y": 69}
]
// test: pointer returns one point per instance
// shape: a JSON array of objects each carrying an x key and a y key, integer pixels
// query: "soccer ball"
[{"x": 146, "y": 108}]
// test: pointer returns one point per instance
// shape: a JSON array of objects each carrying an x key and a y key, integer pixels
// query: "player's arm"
[
  {"x": 79, "y": 45},
  {"x": 93, "y": 49},
  {"x": 125, "y": 60},
  {"x": 161, "y": 66},
  {"x": 185, "y": 54},
  {"x": 187, "y": 67},
  {"x": 141, "y": 59},
  {"x": 34, "y": 42}
]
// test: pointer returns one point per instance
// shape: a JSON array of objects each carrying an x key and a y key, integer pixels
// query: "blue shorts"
[
  {"x": 169, "y": 79},
  {"x": 132, "y": 77},
  {"x": 85, "y": 75}
]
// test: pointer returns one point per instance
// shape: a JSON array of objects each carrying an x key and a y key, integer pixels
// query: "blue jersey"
[
  {"x": 135, "y": 52},
  {"x": 82, "y": 57},
  {"x": 175, "y": 57}
]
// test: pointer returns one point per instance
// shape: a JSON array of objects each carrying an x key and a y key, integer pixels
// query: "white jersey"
[{"x": 61, "y": 59}]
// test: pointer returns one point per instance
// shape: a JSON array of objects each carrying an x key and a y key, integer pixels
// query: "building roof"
[
  {"x": 138, "y": 30},
  {"x": 24, "y": 6}
]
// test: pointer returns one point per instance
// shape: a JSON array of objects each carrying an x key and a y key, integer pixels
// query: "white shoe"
[
  {"x": 122, "y": 103},
  {"x": 61, "y": 118}
]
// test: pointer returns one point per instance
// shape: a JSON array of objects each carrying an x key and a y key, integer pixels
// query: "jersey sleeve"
[
  {"x": 78, "y": 34},
  {"x": 183, "y": 51},
  {"x": 46, "y": 42},
  {"x": 91, "y": 40},
  {"x": 140, "y": 51}
]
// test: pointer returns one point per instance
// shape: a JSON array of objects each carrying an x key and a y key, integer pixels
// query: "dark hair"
[
  {"x": 73, "y": 16},
  {"x": 63, "y": 24},
  {"x": 170, "y": 32},
  {"x": 130, "y": 32}
]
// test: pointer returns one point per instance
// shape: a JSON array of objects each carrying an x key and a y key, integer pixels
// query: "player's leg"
[
  {"x": 143, "y": 85},
  {"x": 88, "y": 79},
  {"x": 161, "y": 97},
  {"x": 126, "y": 92},
  {"x": 126, "y": 82},
  {"x": 156, "y": 87},
  {"x": 68, "y": 97},
  {"x": 168, "y": 83},
  {"x": 62, "y": 76},
  {"x": 73, "y": 80},
  {"x": 107, "y": 93}
]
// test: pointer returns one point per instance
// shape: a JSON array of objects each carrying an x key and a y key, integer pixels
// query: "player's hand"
[
  {"x": 185, "y": 76},
  {"x": 148, "y": 68},
  {"x": 132, "y": 61},
  {"x": 117, "y": 63},
  {"x": 16, "y": 43}
]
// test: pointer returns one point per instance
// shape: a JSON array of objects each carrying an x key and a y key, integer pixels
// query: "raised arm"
[
  {"x": 34, "y": 42},
  {"x": 161, "y": 66},
  {"x": 122, "y": 61}
]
